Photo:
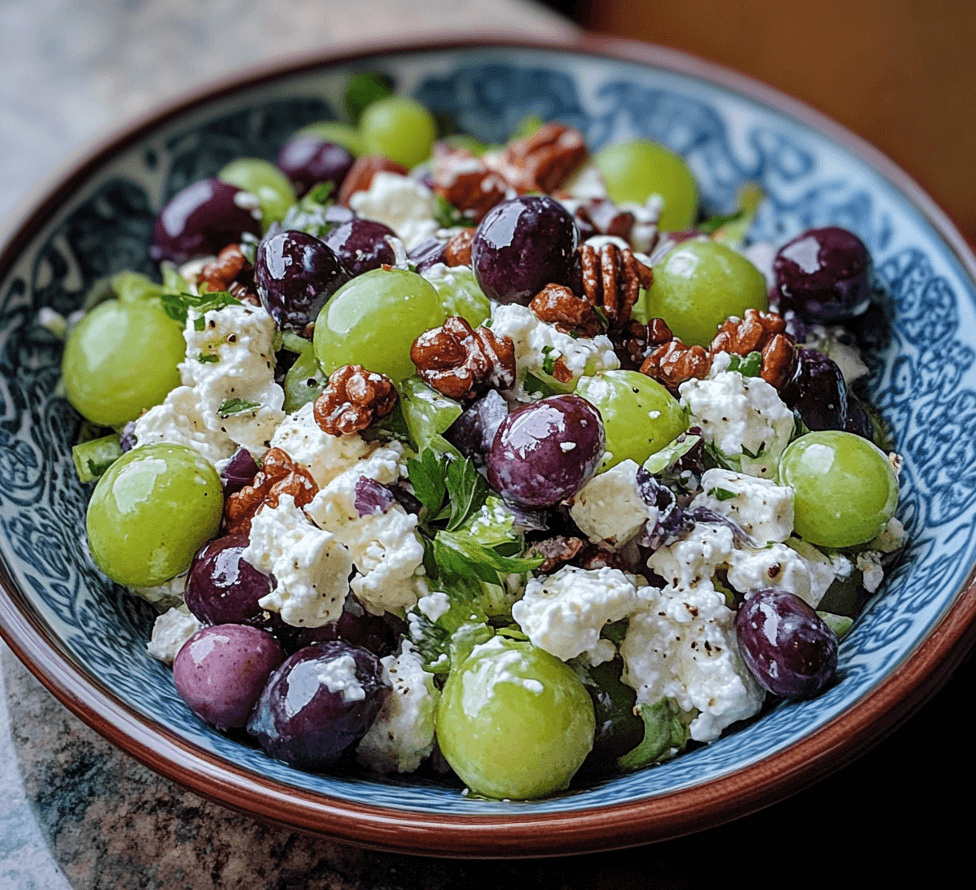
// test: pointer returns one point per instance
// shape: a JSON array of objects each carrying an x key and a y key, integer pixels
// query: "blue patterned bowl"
[{"x": 86, "y": 640}]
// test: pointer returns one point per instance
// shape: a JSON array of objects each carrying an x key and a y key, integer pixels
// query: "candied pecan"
[
  {"x": 461, "y": 362},
  {"x": 279, "y": 475},
  {"x": 779, "y": 360},
  {"x": 555, "y": 551},
  {"x": 634, "y": 341},
  {"x": 467, "y": 183},
  {"x": 360, "y": 175},
  {"x": 673, "y": 363},
  {"x": 457, "y": 251},
  {"x": 353, "y": 399},
  {"x": 558, "y": 305},
  {"x": 220, "y": 274},
  {"x": 545, "y": 160},
  {"x": 611, "y": 279},
  {"x": 600, "y": 216},
  {"x": 763, "y": 332}
]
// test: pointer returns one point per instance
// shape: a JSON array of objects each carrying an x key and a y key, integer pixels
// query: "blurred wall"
[{"x": 901, "y": 73}]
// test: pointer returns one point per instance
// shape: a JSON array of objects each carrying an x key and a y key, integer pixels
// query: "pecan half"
[
  {"x": 279, "y": 475},
  {"x": 360, "y": 175},
  {"x": 635, "y": 341},
  {"x": 467, "y": 182},
  {"x": 457, "y": 251},
  {"x": 545, "y": 160},
  {"x": 461, "y": 362},
  {"x": 763, "y": 332},
  {"x": 220, "y": 274},
  {"x": 558, "y": 305},
  {"x": 600, "y": 216},
  {"x": 353, "y": 399},
  {"x": 673, "y": 363},
  {"x": 611, "y": 279}
]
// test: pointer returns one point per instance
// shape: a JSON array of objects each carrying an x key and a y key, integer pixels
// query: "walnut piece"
[
  {"x": 600, "y": 216},
  {"x": 611, "y": 279},
  {"x": 279, "y": 475},
  {"x": 353, "y": 399},
  {"x": 763, "y": 332},
  {"x": 673, "y": 362},
  {"x": 457, "y": 251},
  {"x": 360, "y": 175},
  {"x": 220, "y": 274},
  {"x": 462, "y": 363},
  {"x": 545, "y": 160},
  {"x": 635, "y": 341},
  {"x": 559, "y": 306}
]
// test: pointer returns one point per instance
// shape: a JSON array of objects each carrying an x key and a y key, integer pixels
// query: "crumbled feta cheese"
[
  {"x": 610, "y": 507},
  {"x": 400, "y": 202},
  {"x": 760, "y": 507},
  {"x": 434, "y": 605},
  {"x": 339, "y": 675},
  {"x": 779, "y": 566},
  {"x": 402, "y": 735},
  {"x": 170, "y": 632},
  {"x": 872, "y": 573},
  {"x": 169, "y": 593},
  {"x": 743, "y": 417},
  {"x": 310, "y": 566},
  {"x": 564, "y": 613},
  {"x": 682, "y": 645},
  {"x": 832, "y": 341},
  {"x": 693, "y": 561}
]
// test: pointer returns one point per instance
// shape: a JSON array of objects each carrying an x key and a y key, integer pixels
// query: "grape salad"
[{"x": 501, "y": 464}]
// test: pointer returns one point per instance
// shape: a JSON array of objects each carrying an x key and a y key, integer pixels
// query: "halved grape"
[
  {"x": 546, "y": 451},
  {"x": 151, "y": 511},
  {"x": 699, "y": 284},
  {"x": 264, "y": 180},
  {"x": 373, "y": 320},
  {"x": 121, "y": 359},
  {"x": 639, "y": 415},
  {"x": 221, "y": 670},
  {"x": 636, "y": 169},
  {"x": 399, "y": 128},
  {"x": 787, "y": 646},
  {"x": 845, "y": 489},
  {"x": 514, "y": 721}
]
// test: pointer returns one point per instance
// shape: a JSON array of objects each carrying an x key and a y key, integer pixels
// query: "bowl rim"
[{"x": 920, "y": 675}]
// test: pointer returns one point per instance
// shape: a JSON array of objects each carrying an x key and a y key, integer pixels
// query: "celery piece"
[{"x": 94, "y": 457}]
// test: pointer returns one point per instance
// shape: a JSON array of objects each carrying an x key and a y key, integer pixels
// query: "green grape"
[
  {"x": 150, "y": 513},
  {"x": 699, "y": 284},
  {"x": 342, "y": 134},
  {"x": 399, "y": 128},
  {"x": 304, "y": 381},
  {"x": 132, "y": 286},
  {"x": 514, "y": 722},
  {"x": 266, "y": 181},
  {"x": 639, "y": 168},
  {"x": 427, "y": 414},
  {"x": 458, "y": 288},
  {"x": 640, "y": 417},
  {"x": 120, "y": 359},
  {"x": 373, "y": 320},
  {"x": 845, "y": 489}
]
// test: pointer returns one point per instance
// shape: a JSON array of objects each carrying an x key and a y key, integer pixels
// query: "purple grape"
[
  {"x": 522, "y": 245},
  {"x": 474, "y": 431},
  {"x": 545, "y": 452},
  {"x": 817, "y": 391},
  {"x": 858, "y": 419},
  {"x": 379, "y": 634},
  {"x": 221, "y": 671},
  {"x": 824, "y": 275},
  {"x": 296, "y": 273},
  {"x": 239, "y": 471},
  {"x": 788, "y": 647},
  {"x": 307, "y": 161},
  {"x": 318, "y": 704},
  {"x": 361, "y": 245},
  {"x": 200, "y": 220},
  {"x": 222, "y": 588},
  {"x": 427, "y": 253}
]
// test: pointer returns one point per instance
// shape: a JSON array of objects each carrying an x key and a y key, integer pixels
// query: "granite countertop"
[{"x": 76, "y": 812}]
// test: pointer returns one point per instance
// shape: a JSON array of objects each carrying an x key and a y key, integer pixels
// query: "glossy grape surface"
[
  {"x": 788, "y": 647},
  {"x": 522, "y": 245},
  {"x": 639, "y": 415},
  {"x": 338, "y": 132},
  {"x": 318, "y": 704},
  {"x": 639, "y": 168},
  {"x": 458, "y": 289},
  {"x": 547, "y": 451},
  {"x": 296, "y": 274},
  {"x": 844, "y": 486},
  {"x": 361, "y": 245},
  {"x": 151, "y": 511},
  {"x": 200, "y": 220},
  {"x": 121, "y": 359},
  {"x": 263, "y": 179},
  {"x": 308, "y": 160},
  {"x": 824, "y": 275},
  {"x": 399, "y": 128},
  {"x": 817, "y": 391},
  {"x": 514, "y": 721},
  {"x": 220, "y": 672},
  {"x": 373, "y": 320},
  {"x": 699, "y": 284},
  {"x": 222, "y": 588}
]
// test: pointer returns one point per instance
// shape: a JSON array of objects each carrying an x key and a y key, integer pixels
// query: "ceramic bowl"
[{"x": 86, "y": 640}]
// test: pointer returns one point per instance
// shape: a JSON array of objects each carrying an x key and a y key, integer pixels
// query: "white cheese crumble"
[
  {"x": 402, "y": 735},
  {"x": 610, "y": 507},
  {"x": 760, "y": 507},
  {"x": 310, "y": 566},
  {"x": 339, "y": 676},
  {"x": 564, "y": 613},
  {"x": 400, "y": 202},
  {"x": 170, "y": 632}
]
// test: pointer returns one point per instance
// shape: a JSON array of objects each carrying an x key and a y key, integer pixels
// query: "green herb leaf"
[
  {"x": 466, "y": 491},
  {"x": 208, "y": 358},
  {"x": 428, "y": 477},
  {"x": 748, "y": 366},
  {"x": 447, "y": 215},
  {"x": 721, "y": 494},
  {"x": 178, "y": 305},
  {"x": 237, "y": 406}
]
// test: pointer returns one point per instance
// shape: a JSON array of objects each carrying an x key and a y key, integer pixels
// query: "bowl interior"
[{"x": 98, "y": 221}]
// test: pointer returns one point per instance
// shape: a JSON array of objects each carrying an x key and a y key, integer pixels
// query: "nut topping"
[
  {"x": 635, "y": 341},
  {"x": 763, "y": 332},
  {"x": 558, "y": 305},
  {"x": 612, "y": 278},
  {"x": 461, "y": 362},
  {"x": 467, "y": 183},
  {"x": 220, "y": 274},
  {"x": 353, "y": 399},
  {"x": 545, "y": 160},
  {"x": 360, "y": 175},
  {"x": 673, "y": 363},
  {"x": 457, "y": 251},
  {"x": 279, "y": 475}
]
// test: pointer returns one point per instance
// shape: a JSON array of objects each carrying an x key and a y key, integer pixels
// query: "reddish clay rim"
[{"x": 666, "y": 816}]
